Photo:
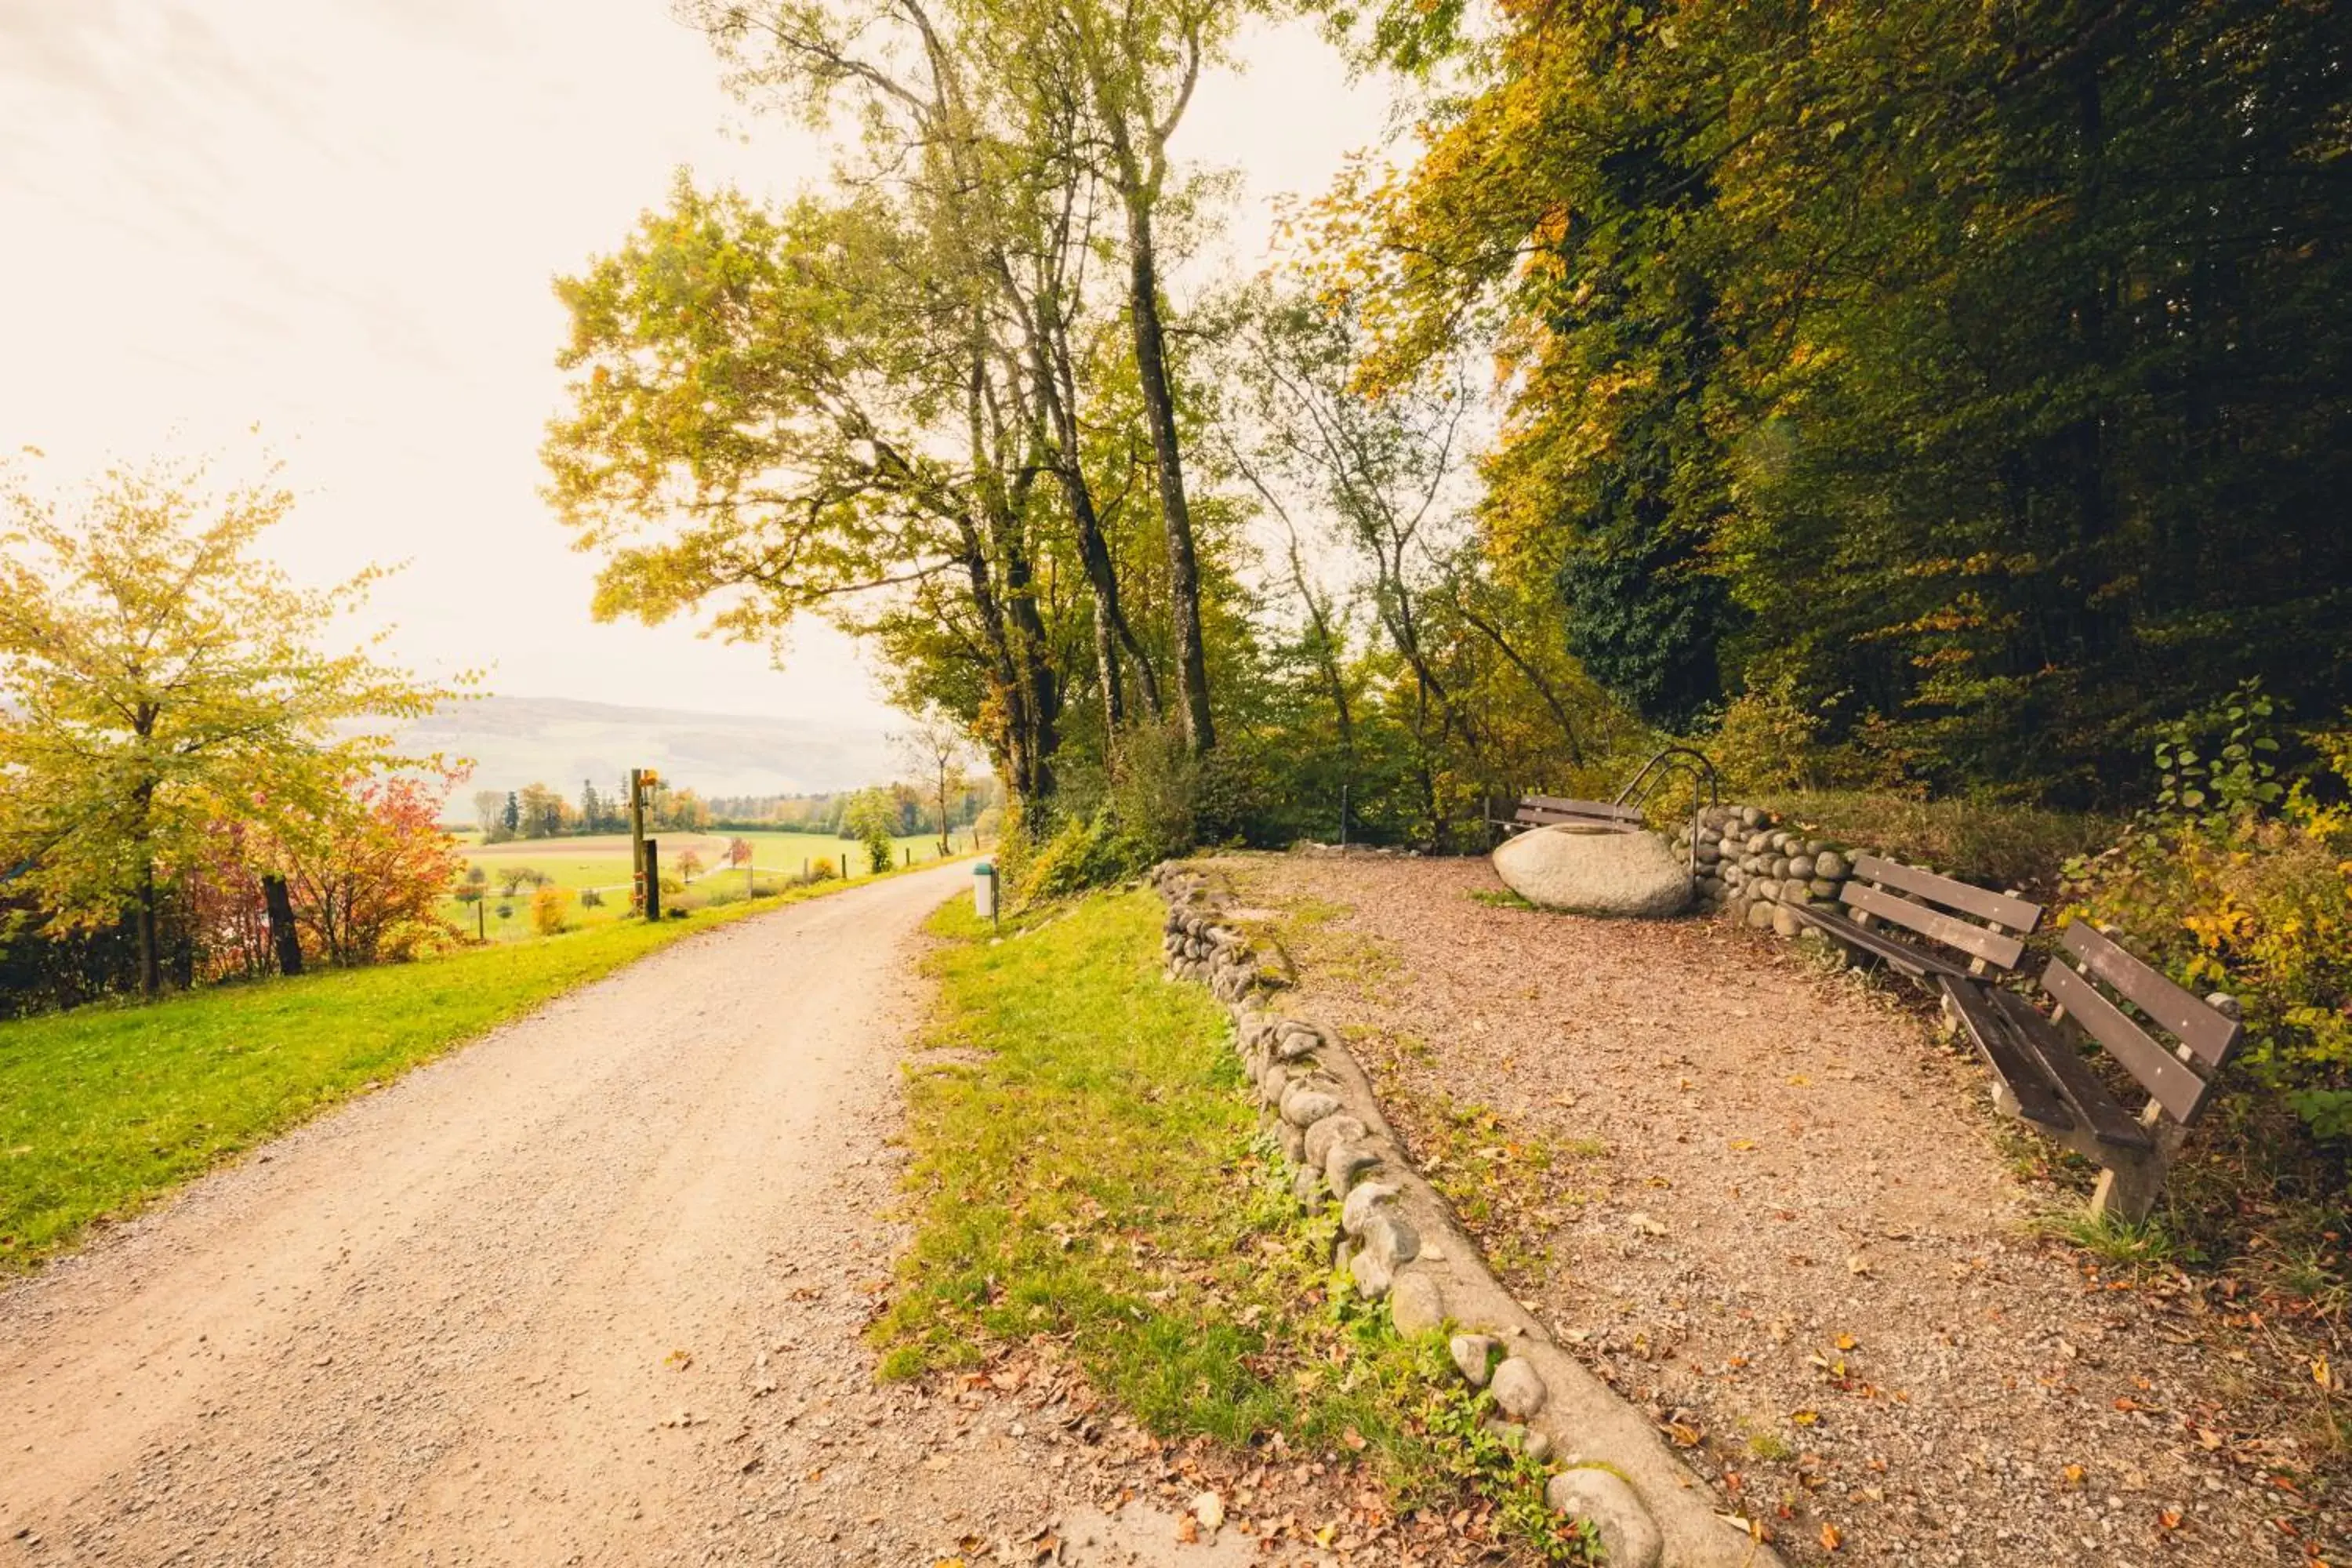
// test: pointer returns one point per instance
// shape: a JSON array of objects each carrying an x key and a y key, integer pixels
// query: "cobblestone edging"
[{"x": 1401, "y": 1242}]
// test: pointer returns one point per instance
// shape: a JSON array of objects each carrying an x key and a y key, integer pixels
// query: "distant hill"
[{"x": 516, "y": 741}]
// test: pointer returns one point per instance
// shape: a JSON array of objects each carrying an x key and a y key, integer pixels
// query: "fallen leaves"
[{"x": 1831, "y": 1538}]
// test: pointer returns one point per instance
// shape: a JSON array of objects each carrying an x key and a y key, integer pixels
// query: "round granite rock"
[{"x": 1595, "y": 871}]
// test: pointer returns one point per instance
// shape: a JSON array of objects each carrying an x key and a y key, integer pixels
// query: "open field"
[
  {"x": 602, "y": 863},
  {"x": 105, "y": 1108}
]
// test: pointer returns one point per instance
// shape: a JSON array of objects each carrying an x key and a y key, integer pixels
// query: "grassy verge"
[
  {"x": 104, "y": 1109},
  {"x": 1088, "y": 1168}
]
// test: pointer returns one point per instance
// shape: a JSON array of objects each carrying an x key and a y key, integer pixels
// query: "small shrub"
[
  {"x": 550, "y": 909},
  {"x": 823, "y": 870},
  {"x": 591, "y": 899},
  {"x": 2233, "y": 884},
  {"x": 1087, "y": 853},
  {"x": 872, "y": 818}
]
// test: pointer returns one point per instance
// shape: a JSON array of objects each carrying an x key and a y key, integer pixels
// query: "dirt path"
[
  {"x": 589, "y": 1291},
  {"x": 1767, "y": 1207}
]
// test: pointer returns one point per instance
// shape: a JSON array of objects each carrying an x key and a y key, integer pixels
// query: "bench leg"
[{"x": 2128, "y": 1188}]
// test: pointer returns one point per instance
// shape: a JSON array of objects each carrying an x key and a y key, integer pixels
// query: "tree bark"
[
  {"x": 1159, "y": 411},
  {"x": 151, "y": 957},
  {"x": 283, "y": 938}
]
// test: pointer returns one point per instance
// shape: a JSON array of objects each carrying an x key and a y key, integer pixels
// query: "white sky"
[{"x": 339, "y": 219}]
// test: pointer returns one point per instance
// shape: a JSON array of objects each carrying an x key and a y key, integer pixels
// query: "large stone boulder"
[{"x": 1595, "y": 871}]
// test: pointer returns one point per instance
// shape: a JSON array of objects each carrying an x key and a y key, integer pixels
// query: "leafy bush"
[
  {"x": 873, "y": 820},
  {"x": 550, "y": 908},
  {"x": 2238, "y": 883},
  {"x": 1986, "y": 842},
  {"x": 1086, "y": 852}
]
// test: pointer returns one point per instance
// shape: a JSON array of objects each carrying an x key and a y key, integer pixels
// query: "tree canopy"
[{"x": 158, "y": 680}]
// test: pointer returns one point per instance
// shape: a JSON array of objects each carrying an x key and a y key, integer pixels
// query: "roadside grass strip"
[
  {"x": 107, "y": 1107},
  {"x": 1085, "y": 1169}
]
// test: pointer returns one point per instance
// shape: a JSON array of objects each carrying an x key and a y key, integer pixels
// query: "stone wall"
[
  {"x": 1752, "y": 869},
  {"x": 1400, "y": 1243}
]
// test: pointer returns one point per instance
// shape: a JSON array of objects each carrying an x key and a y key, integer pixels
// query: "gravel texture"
[
  {"x": 592, "y": 1291},
  {"x": 1765, "y": 1203}
]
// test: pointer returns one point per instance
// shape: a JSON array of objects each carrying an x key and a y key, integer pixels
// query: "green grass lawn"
[
  {"x": 1092, "y": 1172},
  {"x": 105, "y": 1108}
]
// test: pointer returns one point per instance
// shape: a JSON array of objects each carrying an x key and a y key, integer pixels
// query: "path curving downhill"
[{"x": 588, "y": 1290}]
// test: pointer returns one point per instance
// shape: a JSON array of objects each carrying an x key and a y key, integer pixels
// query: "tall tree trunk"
[
  {"x": 1057, "y": 390},
  {"x": 283, "y": 938},
  {"x": 1159, "y": 411},
  {"x": 151, "y": 957}
]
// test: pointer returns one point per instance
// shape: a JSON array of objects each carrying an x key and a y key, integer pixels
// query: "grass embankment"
[
  {"x": 105, "y": 1109},
  {"x": 1091, "y": 1171}
]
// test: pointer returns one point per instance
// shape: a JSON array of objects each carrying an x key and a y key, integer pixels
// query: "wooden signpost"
[{"x": 644, "y": 897}]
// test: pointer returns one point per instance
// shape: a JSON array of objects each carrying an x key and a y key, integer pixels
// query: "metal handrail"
[{"x": 1678, "y": 760}]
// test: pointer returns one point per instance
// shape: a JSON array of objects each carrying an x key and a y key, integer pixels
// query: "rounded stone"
[
  {"x": 1304, "y": 1106},
  {"x": 1784, "y": 924},
  {"x": 1344, "y": 1165},
  {"x": 1829, "y": 863},
  {"x": 1759, "y": 914},
  {"x": 1366, "y": 1198},
  {"x": 1630, "y": 1538},
  {"x": 1822, "y": 887},
  {"x": 1800, "y": 867},
  {"x": 1519, "y": 1389},
  {"x": 1390, "y": 1236},
  {"x": 1595, "y": 871},
  {"x": 1416, "y": 1303},
  {"x": 1340, "y": 1128},
  {"x": 1749, "y": 816},
  {"x": 1474, "y": 1357},
  {"x": 1767, "y": 890}
]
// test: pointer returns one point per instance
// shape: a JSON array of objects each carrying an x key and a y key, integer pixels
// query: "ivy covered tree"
[{"x": 1964, "y": 374}]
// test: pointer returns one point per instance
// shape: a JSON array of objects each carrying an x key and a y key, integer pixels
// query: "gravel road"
[{"x": 588, "y": 1290}]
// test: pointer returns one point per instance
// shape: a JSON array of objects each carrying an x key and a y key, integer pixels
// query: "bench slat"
[
  {"x": 2166, "y": 1077},
  {"x": 2204, "y": 1030},
  {"x": 1915, "y": 961},
  {"x": 1537, "y": 818},
  {"x": 2109, "y": 1122},
  {"x": 1579, "y": 808},
  {"x": 2010, "y": 914},
  {"x": 1994, "y": 947},
  {"x": 2016, "y": 1066}
]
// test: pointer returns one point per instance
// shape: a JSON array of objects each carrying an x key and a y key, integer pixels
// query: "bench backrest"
[
  {"x": 1910, "y": 898},
  {"x": 1538, "y": 810},
  {"x": 2179, "y": 1077}
]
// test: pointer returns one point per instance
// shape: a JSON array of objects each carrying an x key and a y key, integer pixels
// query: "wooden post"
[
  {"x": 651, "y": 872},
  {"x": 637, "y": 904}
]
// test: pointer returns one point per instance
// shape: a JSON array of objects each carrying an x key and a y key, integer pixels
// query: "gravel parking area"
[{"x": 1772, "y": 1209}]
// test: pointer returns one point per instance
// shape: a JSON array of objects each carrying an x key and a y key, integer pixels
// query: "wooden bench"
[
  {"x": 2044, "y": 1079},
  {"x": 1545, "y": 810},
  {"x": 1925, "y": 905}
]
